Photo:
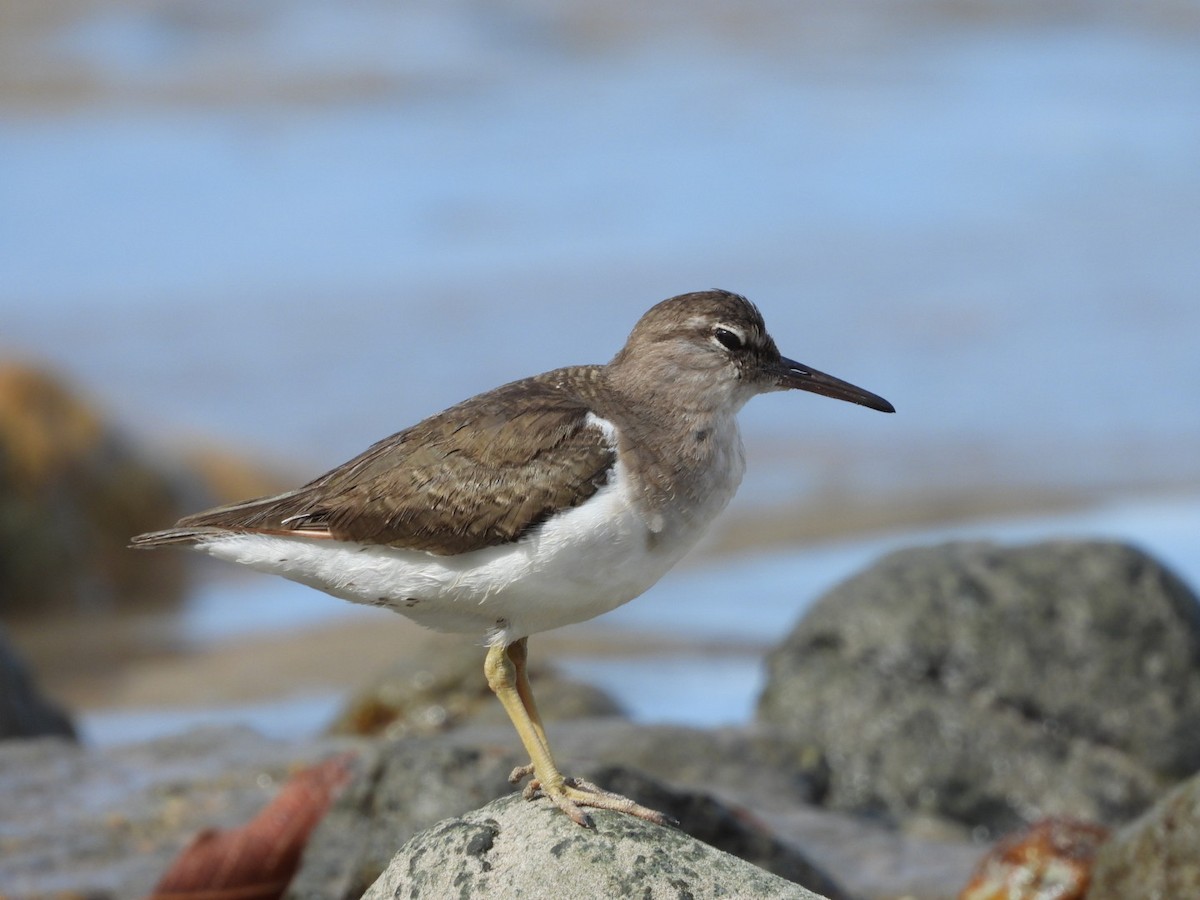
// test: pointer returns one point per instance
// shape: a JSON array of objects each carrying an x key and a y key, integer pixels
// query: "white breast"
[{"x": 582, "y": 562}]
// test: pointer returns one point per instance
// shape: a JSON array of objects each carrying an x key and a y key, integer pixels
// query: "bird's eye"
[{"x": 728, "y": 339}]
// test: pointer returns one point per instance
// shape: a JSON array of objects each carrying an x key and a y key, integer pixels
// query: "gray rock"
[
  {"x": 743, "y": 766},
  {"x": 24, "y": 711},
  {"x": 1158, "y": 855},
  {"x": 82, "y": 822},
  {"x": 730, "y": 829},
  {"x": 405, "y": 786},
  {"x": 994, "y": 685},
  {"x": 511, "y": 848},
  {"x": 108, "y": 821},
  {"x": 413, "y": 784}
]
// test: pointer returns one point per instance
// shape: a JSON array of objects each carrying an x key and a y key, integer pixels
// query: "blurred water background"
[{"x": 296, "y": 226}]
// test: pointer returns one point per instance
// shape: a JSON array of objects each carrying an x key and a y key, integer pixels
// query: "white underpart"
[{"x": 582, "y": 562}]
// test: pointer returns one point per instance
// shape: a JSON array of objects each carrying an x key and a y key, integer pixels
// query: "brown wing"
[{"x": 474, "y": 476}]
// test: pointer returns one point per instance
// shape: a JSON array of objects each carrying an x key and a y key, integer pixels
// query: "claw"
[
  {"x": 520, "y": 773},
  {"x": 575, "y": 793}
]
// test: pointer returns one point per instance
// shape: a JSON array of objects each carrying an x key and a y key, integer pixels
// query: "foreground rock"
[
  {"x": 994, "y": 686},
  {"x": 109, "y": 822},
  {"x": 408, "y": 786},
  {"x": 1156, "y": 856},
  {"x": 511, "y": 848},
  {"x": 24, "y": 711}
]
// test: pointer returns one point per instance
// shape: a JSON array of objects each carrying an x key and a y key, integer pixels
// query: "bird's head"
[{"x": 716, "y": 344}]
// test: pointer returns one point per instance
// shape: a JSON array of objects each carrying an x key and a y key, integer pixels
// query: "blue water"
[
  {"x": 993, "y": 223},
  {"x": 295, "y": 228}
]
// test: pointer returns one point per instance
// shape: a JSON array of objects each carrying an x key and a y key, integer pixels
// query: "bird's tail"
[{"x": 175, "y": 536}]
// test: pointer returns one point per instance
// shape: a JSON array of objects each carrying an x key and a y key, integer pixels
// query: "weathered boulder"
[
  {"x": 512, "y": 849},
  {"x": 410, "y": 785},
  {"x": 24, "y": 711},
  {"x": 1158, "y": 855},
  {"x": 997, "y": 685}
]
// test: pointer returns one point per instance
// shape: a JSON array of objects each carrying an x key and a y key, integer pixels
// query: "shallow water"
[
  {"x": 748, "y": 603},
  {"x": 298, "y": 227}
]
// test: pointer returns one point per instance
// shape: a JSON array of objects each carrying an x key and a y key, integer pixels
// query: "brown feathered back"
[{"x": 407, "y": 490}]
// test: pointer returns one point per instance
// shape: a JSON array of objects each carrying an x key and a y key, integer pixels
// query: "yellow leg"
[
  {"x": 506, "y": 676},
  {"x": 518, "y": 652}
]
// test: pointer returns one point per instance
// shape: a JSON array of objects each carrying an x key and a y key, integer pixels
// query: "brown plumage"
[{"x": 476, "y": 475}]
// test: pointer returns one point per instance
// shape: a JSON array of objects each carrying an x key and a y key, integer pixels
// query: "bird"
[{"x": 538, "y": 504}]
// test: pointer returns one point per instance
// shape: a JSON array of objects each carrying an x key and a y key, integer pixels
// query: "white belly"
[{"x": 579, "y": 564}]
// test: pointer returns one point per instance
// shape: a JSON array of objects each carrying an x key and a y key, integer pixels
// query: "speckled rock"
[
  {"x": 1157, "y": 857},
  {"x": 731, "y": 829},
  {"x": 995, "y": 685},
  {"x": 410, "y": 785},
  {"x": 511, "y": 848}
]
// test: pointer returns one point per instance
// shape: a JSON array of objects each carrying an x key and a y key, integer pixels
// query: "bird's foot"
[{"x": 572, "y": 794}]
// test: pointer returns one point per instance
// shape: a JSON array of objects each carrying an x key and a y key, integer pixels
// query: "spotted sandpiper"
[{"x": 541, "y": 503}]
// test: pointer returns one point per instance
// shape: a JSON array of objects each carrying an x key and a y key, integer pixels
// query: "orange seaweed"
[{"x": 256, "y": 861}]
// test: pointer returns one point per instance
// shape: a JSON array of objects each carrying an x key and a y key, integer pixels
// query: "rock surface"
[
  {"x": 107, "y": 822},
  {"x": 411, "y": 785},
  {"x": 404, "y": 787},
  {"x": 1158, "y": 855},
  {"x": 994, "y": 686},
  {"x": 512, "y": 849},
  {"x": 82, "y": 822},
  {"x": 24, "y": 711},
  {"x": 731, "y": 829}
]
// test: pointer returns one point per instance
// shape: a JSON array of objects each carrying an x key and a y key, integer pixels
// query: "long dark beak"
[{"x": 797, "y": 375}]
